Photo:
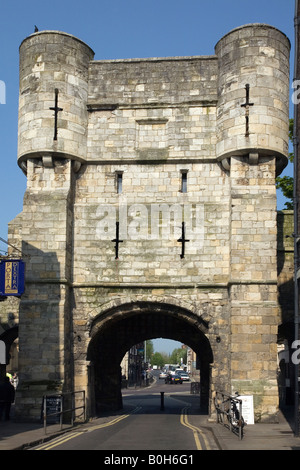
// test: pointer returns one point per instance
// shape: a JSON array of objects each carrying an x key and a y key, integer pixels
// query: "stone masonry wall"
[
  {"x": 151, "y": 213},
  {"x": 152, "y": 144}
]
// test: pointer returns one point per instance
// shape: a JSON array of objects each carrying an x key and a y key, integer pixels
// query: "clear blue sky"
[{"x": 116, "y": 29}]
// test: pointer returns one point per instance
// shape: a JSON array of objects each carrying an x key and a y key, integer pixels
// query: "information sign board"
[
  {"x": 53, "y": 407},
  {"x": 247, "y": 408}
]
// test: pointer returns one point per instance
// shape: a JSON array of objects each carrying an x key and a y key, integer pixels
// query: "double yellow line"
[
  {"x": 183, "y": 420},
  {"x": 115, "y": 421},
  {"x": 61, "y": 440},
  {"x": 196, "y": 431},
  {"x": 58, "y": 441}
]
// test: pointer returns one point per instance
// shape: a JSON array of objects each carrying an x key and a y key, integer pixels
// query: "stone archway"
[{"x": 116, "y": 330}]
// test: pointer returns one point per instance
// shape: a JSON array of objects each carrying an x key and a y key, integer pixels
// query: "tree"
[
  {"x": 286, "y": 183},
  {"x": 157, "y": 360},
  {"x": 149, "y": 350},
  {"x": 177, "y": 355}
]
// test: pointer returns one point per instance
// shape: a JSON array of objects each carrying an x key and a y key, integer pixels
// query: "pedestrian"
[
  {"x": 9, "y": 376},
  {"x": 7, "y": 397}
]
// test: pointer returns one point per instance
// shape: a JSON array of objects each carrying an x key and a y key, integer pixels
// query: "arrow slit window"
[
  {"x": 119, "y": 181},
  {"x": 184, "y": 174}
]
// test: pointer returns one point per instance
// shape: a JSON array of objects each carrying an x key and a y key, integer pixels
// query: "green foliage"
[
  {"x": 149, "y": 350},
  {"x": 286, "y": 183},
  {"x": 177, "y": 355},
  {"x": 157, "y": 360},
  {"x": 160, "y": 359}
]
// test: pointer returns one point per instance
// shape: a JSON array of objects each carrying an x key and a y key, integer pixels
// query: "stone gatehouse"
[{"x": 150, "y": 211}]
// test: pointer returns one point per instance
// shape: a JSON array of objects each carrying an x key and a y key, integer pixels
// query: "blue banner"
[{"x": 12, "y": 280}]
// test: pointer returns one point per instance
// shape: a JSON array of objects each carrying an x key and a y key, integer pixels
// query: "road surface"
[{"x": 150, "y": 421}]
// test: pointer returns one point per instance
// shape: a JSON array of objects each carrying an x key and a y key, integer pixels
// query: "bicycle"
[
  {"x": 229, "y": 414},
  {"x": 235, "y": 417}
]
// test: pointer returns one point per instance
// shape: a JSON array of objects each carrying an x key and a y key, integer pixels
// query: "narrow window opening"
[
  {"x": 184, "y": 181},
  {"x": 119, "y": 178}
]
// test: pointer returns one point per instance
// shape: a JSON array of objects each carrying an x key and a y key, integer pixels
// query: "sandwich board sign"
[{"x": 247, "y": 408}]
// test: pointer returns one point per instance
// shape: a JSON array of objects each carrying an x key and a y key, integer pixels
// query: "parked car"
[{"x": 173, "y": 379}]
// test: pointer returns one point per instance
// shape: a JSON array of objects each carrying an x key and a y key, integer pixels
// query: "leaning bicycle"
[
  {"x": 229, "y": 412},
  {"x": 235, "y": 416}
]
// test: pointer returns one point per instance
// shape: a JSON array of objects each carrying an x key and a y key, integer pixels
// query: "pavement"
[
  {"x": 260, "y": 436},
  {"x": 21, "y": 436}
]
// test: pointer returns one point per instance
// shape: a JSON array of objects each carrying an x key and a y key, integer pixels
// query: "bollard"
[{"x": 162, "y": 400}]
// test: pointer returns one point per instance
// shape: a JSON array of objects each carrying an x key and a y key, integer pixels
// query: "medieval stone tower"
[{"x": 150, "y": 210}]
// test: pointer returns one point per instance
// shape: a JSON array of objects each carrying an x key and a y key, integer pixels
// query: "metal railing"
[
  {"x": 195, "y": 388},
  {"x": 229, "y": 413},
  {"x": 58, "y": 406}
]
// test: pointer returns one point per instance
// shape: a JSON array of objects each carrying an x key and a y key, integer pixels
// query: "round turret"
[
  {"x": 53, "y": 97},
  {"x": 253, "y": 112}
]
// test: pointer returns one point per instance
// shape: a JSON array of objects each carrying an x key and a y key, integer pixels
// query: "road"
[{"x": 144, "y": 425}]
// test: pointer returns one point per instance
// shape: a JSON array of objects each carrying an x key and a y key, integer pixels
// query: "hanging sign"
[{"x": 12, "y": 277}]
